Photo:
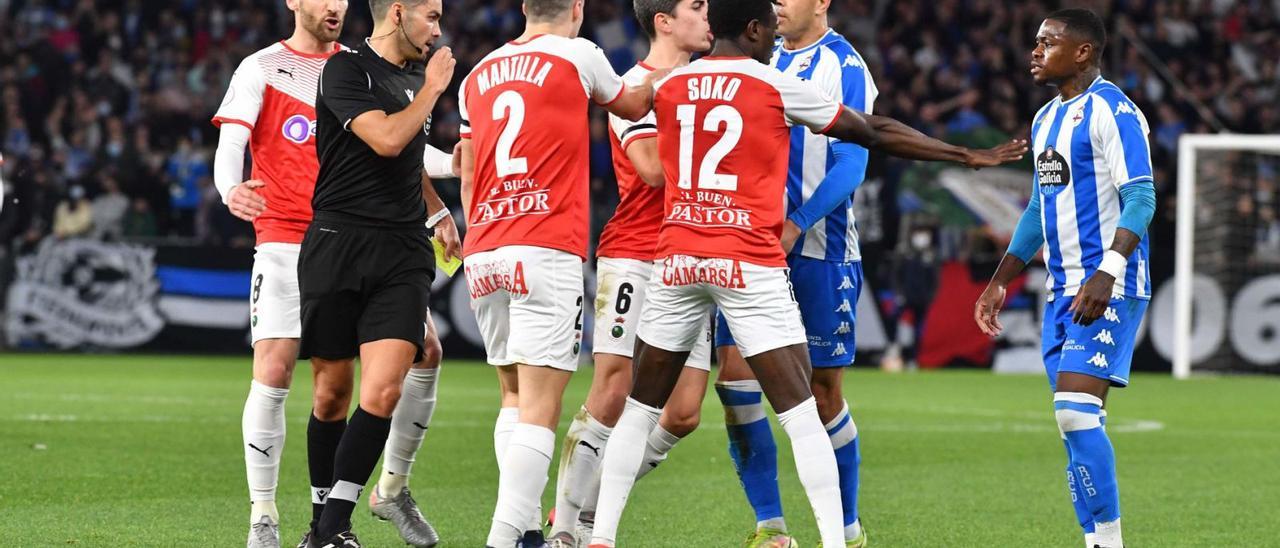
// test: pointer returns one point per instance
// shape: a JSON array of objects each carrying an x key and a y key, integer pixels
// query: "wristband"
[
  {"x": 437, "y": 217},
  {"x": 1113, "y": 263}
]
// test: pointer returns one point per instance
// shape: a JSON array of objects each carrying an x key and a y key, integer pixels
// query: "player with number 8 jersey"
[{"x": 525, "y": 184}]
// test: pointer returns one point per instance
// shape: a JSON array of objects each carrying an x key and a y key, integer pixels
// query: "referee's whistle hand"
[
  {"x": 244, "y": 201},
  {"x": 440, "y": 70}
]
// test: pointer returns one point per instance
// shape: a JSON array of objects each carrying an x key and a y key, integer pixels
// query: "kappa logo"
[
  {"x": 844, "y": 307},
  {"x": 845, "y": 284},
  {"x": 852, "y": 61},
  {"x": 1099, "y": 361},
  {"x": 844, "y": 329},
  {"x": 1104, "y": 337},
  {"x": 1125, "y": 107},
  {"x": 839, "y": 351},
  {"x": 1111, "y": 315}
]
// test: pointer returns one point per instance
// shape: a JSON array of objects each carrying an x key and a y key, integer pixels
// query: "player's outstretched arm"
[
  {"x": 388, "y": 134},
  {"x": 898, "y": 139}
]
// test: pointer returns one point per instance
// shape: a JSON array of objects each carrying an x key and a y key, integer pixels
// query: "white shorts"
[
  {"x": 620, "y": 296},
  {"x": 756, "y": 301},
  {"x": 274, "y": 301},
  {"x": 528, "y": 304}
]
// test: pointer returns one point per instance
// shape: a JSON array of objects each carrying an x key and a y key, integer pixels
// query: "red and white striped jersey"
[{"x": 273, "y": 93}]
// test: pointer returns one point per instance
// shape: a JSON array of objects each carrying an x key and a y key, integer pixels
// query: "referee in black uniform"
[{"x": 366, "y": 263}]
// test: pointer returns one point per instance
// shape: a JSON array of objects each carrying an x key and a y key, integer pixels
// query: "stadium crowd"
[{"x": 105, "y": 105}]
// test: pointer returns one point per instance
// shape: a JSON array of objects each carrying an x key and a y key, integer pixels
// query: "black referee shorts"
[{"x": 360, "y": 284}]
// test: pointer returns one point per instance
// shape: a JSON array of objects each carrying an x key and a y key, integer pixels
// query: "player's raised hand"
[
  {"x": 439, "y": 70},
  {"x": 1092, "y": 300},
  {"x": 986, "y": 311},
  {"x": 447, "y": 234},
  {"x": 1011, "y": 151},
  {"x": 244, "y": 200}
]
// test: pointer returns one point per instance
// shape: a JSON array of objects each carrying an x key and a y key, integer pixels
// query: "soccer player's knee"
[
  {"x": 681, "y": 422},
  {"x": 381, "y": 401},
  {"x": 1077, "y": 411},
  {"x": 830, "y": 400},
  {"x": 331, "y": 402}
]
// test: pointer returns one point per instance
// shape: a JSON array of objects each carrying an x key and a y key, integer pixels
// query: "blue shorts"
[
  {"x": 1103, "y": 349},
  {"x": 827, "y": 293}
]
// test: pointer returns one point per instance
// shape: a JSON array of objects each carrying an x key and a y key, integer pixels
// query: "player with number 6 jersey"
[
  {"x": 525, "y": 184},
  {"x": 721, "y": 122}
]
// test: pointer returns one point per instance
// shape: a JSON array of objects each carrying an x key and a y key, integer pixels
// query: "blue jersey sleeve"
[
  {"x": 849, "y": 161},
  {"x": 1029, "y": 235}
]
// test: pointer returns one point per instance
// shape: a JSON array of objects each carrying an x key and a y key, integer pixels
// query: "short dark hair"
[
  {"x": 542, "y": 10},
  {"x": 646, "y": 10},
  {"x": 1085, "y": 25},
  {"x": 729, "y": 18},
  {"x": 378, "y": 8}
]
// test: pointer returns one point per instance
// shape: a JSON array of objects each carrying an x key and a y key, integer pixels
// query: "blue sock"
[
  {"x": 1077, "y": 499},
  {"x": 755, "y": 455},
  {"x": 1092, "y": 458},
  {"x": 844, "y": 439}
]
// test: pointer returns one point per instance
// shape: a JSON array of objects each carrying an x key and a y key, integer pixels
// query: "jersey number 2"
[
  {"x": 720, "y": 115},
  {"x": 509, "y": 105}
]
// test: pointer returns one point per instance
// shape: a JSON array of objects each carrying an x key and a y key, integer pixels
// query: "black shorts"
[{"x": 360, "y": 284}]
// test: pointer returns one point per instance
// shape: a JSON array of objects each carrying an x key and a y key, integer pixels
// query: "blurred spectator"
[
  {"x": 109, "y": 209},
  {"x": 139, "y": 221},
  {"x": 185, "y": 169},
  {"x": 74, "y": 215}
]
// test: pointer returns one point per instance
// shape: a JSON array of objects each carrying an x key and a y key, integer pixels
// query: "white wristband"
[
  {"x": 1113, "y": 263},
  {"x": 437, "y": 217}
]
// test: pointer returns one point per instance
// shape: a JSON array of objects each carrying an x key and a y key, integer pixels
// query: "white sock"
[
  {"x": 622, "y": 459},
  {"x": 520, "y": 484},
  {"x": 656, "y": 448},
  {"x": 1107, "y": 534},
  {"x": 816, "y": 466},
  {"x": 409, "y": 424},
  {"x": 263, "y": 428},
  {"x": 502, "y": 429},
  {"x": 580, "y": 459}
]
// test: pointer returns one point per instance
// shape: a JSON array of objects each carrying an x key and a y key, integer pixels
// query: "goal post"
[{"x": 1218, "y": 179}]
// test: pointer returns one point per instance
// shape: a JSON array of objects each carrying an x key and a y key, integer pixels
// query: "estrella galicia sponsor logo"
[
  {"x": 298, "y": 129},
  {"x": 1053, "y": 171}
]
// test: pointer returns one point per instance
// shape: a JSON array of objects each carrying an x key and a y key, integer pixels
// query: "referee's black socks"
[
  {"x": 322, "y": 444},
  {"x": 354, "y": 462}
]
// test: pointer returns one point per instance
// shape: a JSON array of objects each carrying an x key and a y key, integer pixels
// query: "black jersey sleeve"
[{"x": 346, "y": 89}]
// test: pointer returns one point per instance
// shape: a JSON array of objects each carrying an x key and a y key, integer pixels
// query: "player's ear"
[
  {"x": 579, "y": 6},
  {"x": 1084, "y": 54},
  {"x": 293, "y": 5},
  {"x": 821, "y": 7}
]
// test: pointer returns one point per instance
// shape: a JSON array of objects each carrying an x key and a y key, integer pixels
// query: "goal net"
[{"x": 1227, "y": 264}]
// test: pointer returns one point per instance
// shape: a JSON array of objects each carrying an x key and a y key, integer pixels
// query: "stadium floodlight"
[{"x": 1227, "y": 247}]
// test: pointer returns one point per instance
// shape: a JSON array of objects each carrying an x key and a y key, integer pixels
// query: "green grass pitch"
[{"x": 145, "y": 451}]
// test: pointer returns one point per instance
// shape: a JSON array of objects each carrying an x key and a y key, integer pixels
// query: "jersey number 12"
[{"x": 720, "y": 115}]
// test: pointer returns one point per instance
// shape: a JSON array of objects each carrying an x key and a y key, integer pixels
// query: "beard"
[{"x": 315, "y": 25}]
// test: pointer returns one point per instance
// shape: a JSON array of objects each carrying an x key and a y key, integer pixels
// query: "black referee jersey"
[{"x": 355, "y": 184}]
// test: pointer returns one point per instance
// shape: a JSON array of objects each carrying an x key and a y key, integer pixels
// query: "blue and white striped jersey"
[
  {"x": 1085, "y": 150},
  {"x": 836, "y": 67}
]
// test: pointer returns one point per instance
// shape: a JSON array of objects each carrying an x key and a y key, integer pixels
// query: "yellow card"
[{"x": 449, "y": 266}]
